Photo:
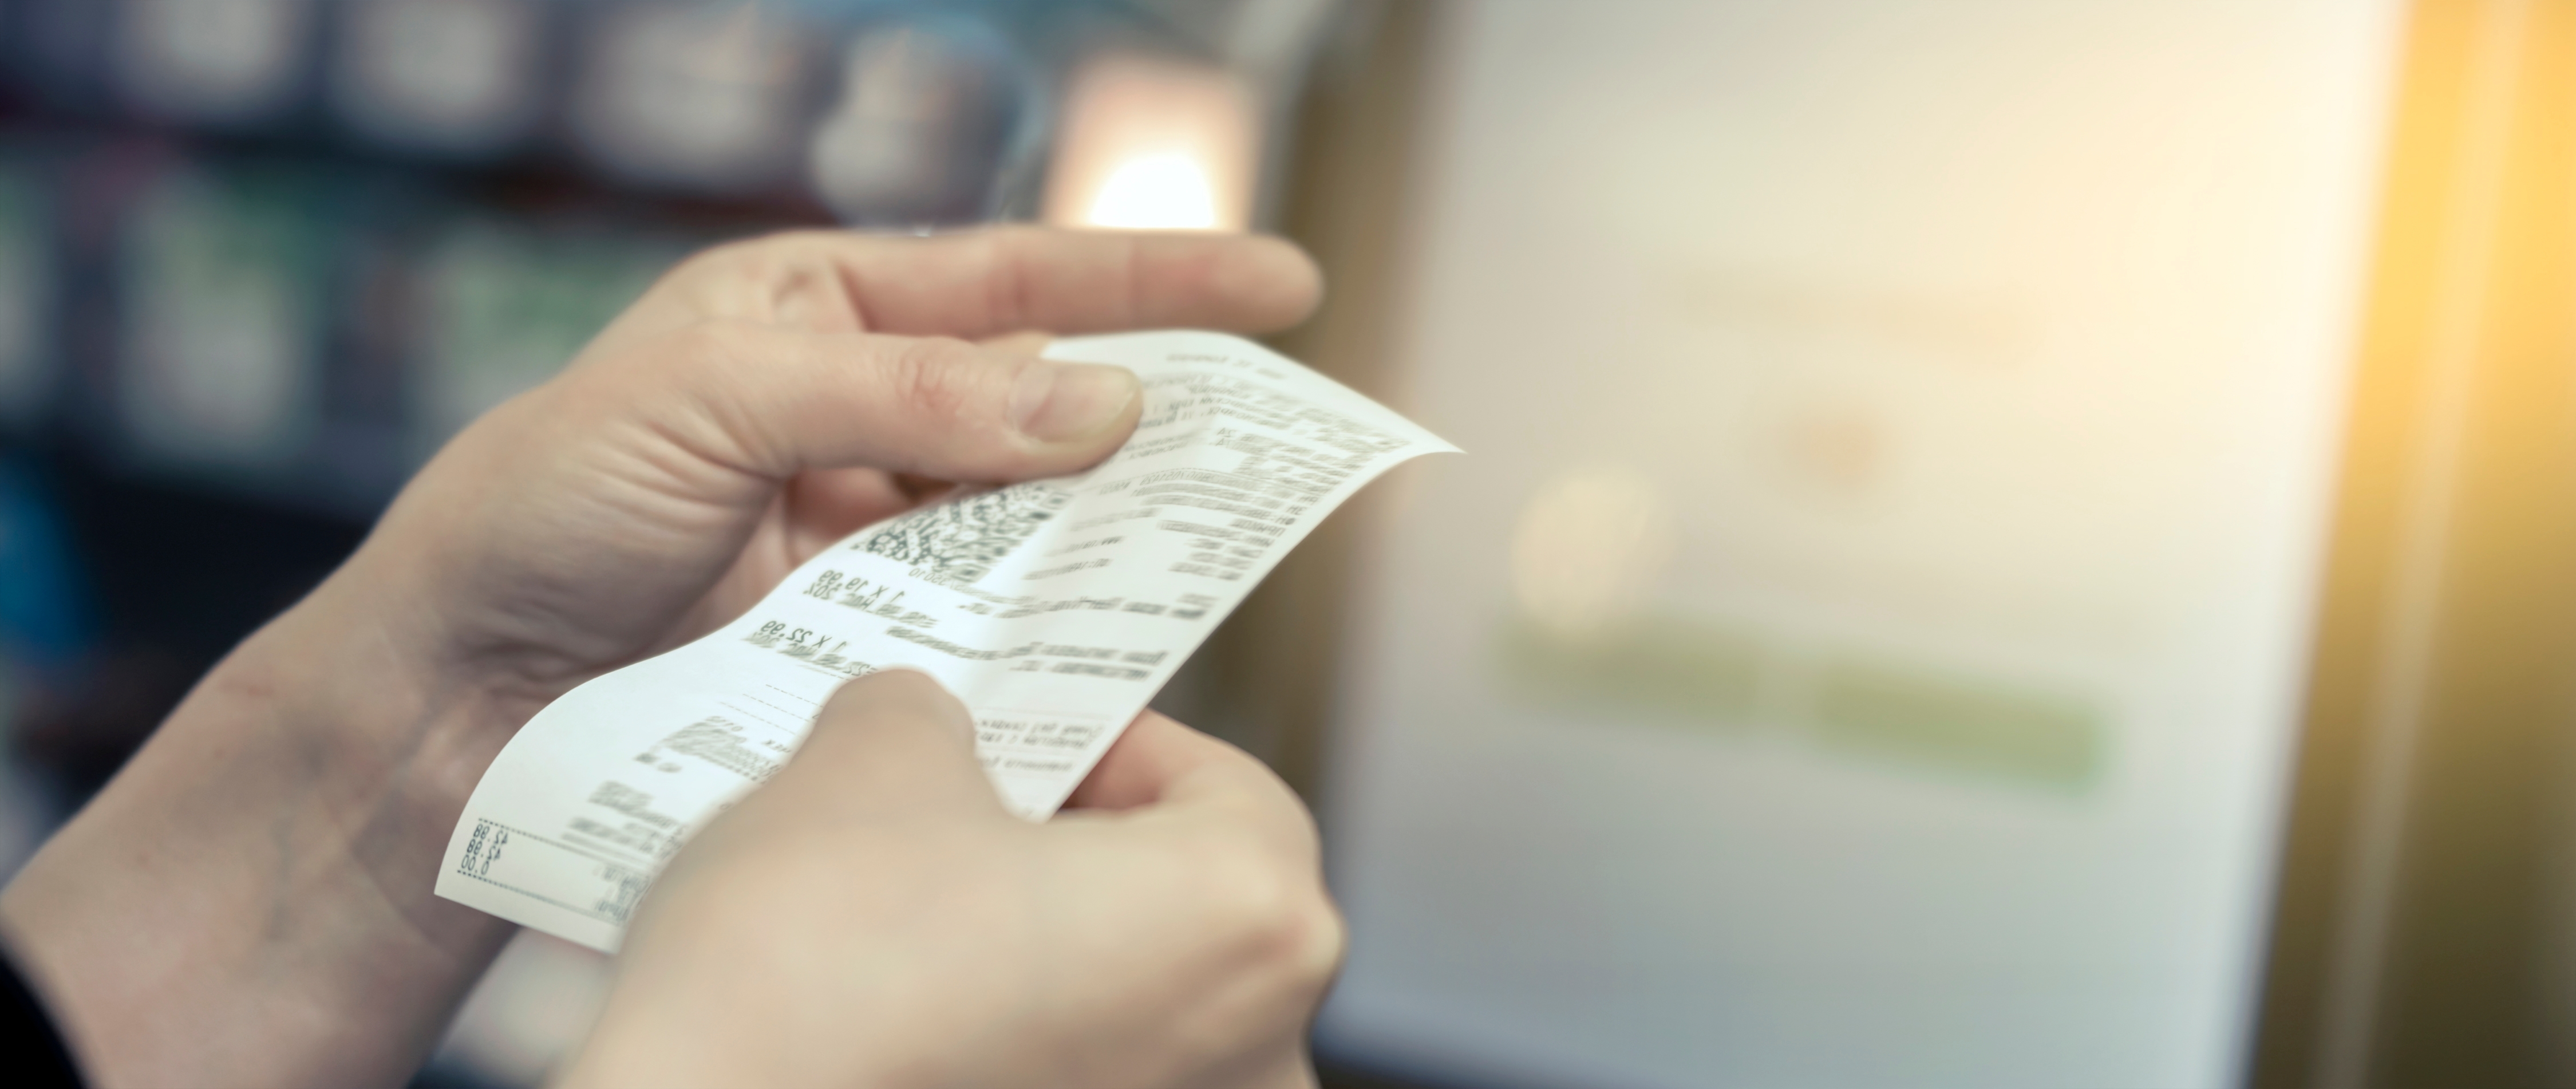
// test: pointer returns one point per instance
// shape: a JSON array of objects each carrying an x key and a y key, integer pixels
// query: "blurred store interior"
[{"x": 2005, "y": 543}]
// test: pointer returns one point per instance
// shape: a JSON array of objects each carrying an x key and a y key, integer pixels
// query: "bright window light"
[
  {"x": 1154, "y": 144},
  {"x": 1169, "y": 191}
]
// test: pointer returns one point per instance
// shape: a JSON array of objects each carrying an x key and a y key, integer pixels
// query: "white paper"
[{"x": 1055, "y": 609}]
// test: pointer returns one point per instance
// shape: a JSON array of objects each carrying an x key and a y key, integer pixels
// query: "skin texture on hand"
[
  {"x": 872, "y": 917},
  {"x": 249, "y": 901}
]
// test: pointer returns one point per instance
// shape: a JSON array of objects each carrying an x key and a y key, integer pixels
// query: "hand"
[
  {"x": 757, "y": 405},
  {"x": 872, "y": 917},
  {"x": 249, "y": 901}
]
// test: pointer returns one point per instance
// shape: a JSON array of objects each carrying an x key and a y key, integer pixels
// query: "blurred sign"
[
  {"x": 1866, "y": 647},
  {"x": 28, "y": 296},
  {"x": 925, "y": 117},
  {"x": 218, "y": 61},
  {"x": 224, "y": 284},
  {"x": 703, "y": 96},
  {"x": 444, "y": 75},
  {"x": 503, "y": 307}
]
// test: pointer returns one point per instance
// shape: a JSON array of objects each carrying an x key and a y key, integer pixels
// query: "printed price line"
[
  {"x": 808, "y": 645},
  {"x": 860, "y": 594}
]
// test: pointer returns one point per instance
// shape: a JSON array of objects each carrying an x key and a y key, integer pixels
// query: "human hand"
[
  {"x": 762, "y": 401},
  {"x": 249, "y": 902},
  {"x": 872, "y": 916}
]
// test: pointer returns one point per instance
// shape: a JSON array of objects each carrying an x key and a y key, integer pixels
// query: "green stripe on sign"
[
  {"x": 1960, "y": 723},
  {"x": 1666, "y": 667}
]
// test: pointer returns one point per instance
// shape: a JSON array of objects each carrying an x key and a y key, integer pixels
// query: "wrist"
[
  {"x": 371, "y": 687},
  {"x": 261, "y": 871}
]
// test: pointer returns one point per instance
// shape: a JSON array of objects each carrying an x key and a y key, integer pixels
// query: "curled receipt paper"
[{"x": 1054, "y": 609}]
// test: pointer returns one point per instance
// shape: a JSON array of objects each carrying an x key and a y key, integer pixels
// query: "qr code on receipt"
[{"x": 962, "y": 540}]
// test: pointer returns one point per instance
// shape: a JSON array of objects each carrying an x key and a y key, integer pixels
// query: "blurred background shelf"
[{"x": 260, "y": 258}]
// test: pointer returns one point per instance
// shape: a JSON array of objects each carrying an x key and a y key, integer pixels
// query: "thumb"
[
  {"x": 776, "y": 401},
  {"x": 892, "y": 741}
]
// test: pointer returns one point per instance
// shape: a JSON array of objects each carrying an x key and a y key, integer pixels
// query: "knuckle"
[
  {"x": 1005, "y": 242},
  {"x": 765, "y": 275},
  {"x": 1276, "y": 912},
  {"x": 1006, "y": 256},
  {"x": 672, "y": 376},
  {"x": 1317, "y": 956},
  {"x": 936, "y": 378}
]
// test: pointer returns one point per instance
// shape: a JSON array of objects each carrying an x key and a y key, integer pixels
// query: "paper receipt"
[{"x": 1055, "y": 609}]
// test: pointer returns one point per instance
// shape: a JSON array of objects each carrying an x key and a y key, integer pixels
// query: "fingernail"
[{"x": 1060, "y": 402}]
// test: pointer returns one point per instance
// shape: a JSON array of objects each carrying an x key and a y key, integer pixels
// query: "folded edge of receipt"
[{"x": 1055, "y": 609}]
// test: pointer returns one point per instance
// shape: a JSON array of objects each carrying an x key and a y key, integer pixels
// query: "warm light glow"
[
  {"x": 1591, "y": 544},
  {"x": 1169, "y": 191},
  {"x": 1151, "y": 144}
]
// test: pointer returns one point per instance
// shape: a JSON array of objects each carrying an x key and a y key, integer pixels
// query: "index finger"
[{"x": 1005, "y": 279}]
